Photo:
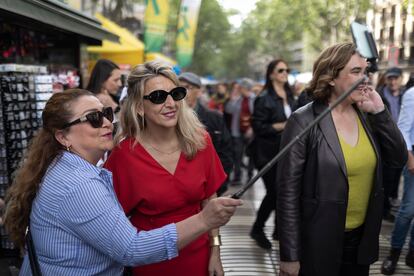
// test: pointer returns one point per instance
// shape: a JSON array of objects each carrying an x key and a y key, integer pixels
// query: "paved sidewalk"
[{"x": 241, "y": 256}]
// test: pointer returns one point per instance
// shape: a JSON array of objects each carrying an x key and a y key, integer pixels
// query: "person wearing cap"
[
  {"x": 391, "y": 95},
  {"x": 213, "y": 122},
  {"x": 240, "y": 109}
]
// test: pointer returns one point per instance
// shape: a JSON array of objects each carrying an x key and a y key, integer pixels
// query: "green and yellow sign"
[
  {"x": 186, "y": 30},
  {"x": 155, "y": 24}
]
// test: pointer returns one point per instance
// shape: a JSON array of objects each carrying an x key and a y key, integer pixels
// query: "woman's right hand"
[
  {"x": 218, "y": 211},
  {"x": 289, "y": 268}
]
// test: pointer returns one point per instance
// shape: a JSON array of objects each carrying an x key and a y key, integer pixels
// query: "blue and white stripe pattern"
[
  {"x": 406, "y": 119},
  {"x": 79, "y": 227}
]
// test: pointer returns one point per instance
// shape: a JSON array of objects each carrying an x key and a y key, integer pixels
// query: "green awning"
[{"x": 59, "y": 15}]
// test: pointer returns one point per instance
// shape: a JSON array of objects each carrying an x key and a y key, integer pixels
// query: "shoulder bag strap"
[{"x": 31, "y": 252}]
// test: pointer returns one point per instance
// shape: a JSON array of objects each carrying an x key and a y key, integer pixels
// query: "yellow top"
[{"x": 360, "y": 163}]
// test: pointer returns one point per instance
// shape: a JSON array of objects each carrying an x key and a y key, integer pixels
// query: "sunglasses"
[
  {"x": 281, "y": 70},
  {"x": 95, "y": 118},
  {"x": 160, "y": 96}
]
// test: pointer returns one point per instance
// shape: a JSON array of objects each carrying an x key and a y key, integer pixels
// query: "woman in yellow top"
[{"x": 329, "y": 184}]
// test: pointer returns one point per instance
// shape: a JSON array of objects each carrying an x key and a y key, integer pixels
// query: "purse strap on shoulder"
[{"x": 31, "y": 252}]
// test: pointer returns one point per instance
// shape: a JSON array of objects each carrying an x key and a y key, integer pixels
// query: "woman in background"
[
  {"x": 105, "y": 82},
  {"x": 271, "y": 110}
]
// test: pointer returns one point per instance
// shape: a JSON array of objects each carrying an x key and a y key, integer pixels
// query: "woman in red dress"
[{"x": 165, "y": 168}]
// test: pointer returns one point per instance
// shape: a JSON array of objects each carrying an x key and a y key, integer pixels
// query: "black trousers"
[
  {"x": 349, "y": 265},
  {"x": 269, "y": 201}
]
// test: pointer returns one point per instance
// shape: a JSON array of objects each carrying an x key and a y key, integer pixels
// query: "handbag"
[{"x": 31, "y": 252}]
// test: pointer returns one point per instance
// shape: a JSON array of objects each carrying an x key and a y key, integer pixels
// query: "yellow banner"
[
  {"x": 187, "y": 27},
  {"x": 155, "y": 24}
]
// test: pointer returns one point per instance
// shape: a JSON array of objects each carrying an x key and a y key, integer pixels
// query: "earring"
[
  {"x": 142, "y": 120},
  {"x": 68, "y": 148},
  {"x": 331, "y": 83}
]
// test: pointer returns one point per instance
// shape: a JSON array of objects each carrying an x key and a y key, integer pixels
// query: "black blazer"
[
  {"x": 268, "y": 109},
  {"x": 220, "y": 135},
  {"x": 313, "y": 190}
]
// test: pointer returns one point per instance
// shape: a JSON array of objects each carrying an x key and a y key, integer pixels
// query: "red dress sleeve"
[{"x": 214, "y": 170}]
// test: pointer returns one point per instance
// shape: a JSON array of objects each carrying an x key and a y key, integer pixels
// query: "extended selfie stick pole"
[{"x": 281, "y": 153}]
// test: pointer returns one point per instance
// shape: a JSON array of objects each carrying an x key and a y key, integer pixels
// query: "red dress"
[{"x": 156, "y": 198}]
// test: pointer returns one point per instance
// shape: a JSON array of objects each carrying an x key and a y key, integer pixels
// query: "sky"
[{"x": 243, "y": 6}]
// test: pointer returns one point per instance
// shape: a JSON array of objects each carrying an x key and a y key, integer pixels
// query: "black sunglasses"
[
  {"x": 159, "y": 96},
  {"x": 94, "y": 118},
  {"x": 281, "y": 70}
]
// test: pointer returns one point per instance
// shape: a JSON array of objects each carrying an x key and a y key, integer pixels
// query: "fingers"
[{"x": 227, "y": 201}]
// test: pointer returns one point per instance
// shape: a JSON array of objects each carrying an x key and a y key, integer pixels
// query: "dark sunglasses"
[
  {"x": 281, "y": 70},
  {"x": 94, "y": 118},
  {"x": 159, "y": 96}
]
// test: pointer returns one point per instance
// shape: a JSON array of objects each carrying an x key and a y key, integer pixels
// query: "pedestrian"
[
  {"x": 391, "y": 94},
  {"x": 213, "y": 121},
  {"x": 76, "y": 222},
  {"x": 105, "y": 82},
  {"x": 219, "y": 97},
  {"x": 240, "y": 108},
  {"x": 165, "y": 167},
  {"x": 271, "y": 110},
  {"x": 405, "y": 214},
  {"x": 330, "y": 194}
]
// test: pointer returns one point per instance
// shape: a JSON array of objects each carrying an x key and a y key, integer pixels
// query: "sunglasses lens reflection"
[
  {"x": 280, "y": 71},
  {"x": 160, "y": 96},
  {"x": 96, "y": 118}
]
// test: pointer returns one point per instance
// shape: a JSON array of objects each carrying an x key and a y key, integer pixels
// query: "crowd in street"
[{"x": 138, "y": 181}]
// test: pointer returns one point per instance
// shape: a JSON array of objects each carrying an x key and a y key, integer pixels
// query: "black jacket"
[
  {"x": 313, "y": 190},
  {"x": 219, "y": 133},
  {"x": 268, "y": 109}
]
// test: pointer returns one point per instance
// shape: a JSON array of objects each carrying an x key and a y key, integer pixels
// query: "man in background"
[
  {"x": 213, "y": 121},
  {"x": 391, "y": 94}
]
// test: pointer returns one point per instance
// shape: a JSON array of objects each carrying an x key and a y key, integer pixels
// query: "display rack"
[{"x": 24, "y": 92}]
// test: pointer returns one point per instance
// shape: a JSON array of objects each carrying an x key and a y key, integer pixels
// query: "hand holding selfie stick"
[{"x": 281, "y": 153}]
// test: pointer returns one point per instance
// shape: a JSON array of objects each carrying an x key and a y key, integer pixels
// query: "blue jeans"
[{"x": 405, "y": 214}]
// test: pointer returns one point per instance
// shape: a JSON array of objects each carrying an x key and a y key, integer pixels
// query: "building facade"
[{"x": 392, "y": 24}]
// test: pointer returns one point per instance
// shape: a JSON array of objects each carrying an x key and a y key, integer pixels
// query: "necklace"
[{"x": 161, "y": 151}]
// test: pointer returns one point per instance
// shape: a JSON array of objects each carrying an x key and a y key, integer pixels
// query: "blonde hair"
[
  {"x": 327, "y": 68},
  {"x": 190, "y": 131},
  {"x": 44, "y": 148}
]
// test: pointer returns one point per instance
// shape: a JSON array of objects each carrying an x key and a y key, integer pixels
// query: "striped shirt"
[
  {"x": 79, "y": 227},
  {"x": 406, "y": 119}
]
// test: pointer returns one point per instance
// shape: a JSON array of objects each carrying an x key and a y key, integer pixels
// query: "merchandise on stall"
[{"x": 24, "y": 92}]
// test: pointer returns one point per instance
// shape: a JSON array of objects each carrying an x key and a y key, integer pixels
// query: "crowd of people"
[{"x": 149, "y": 195}]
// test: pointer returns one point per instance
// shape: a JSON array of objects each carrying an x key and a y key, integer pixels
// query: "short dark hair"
[{"x": 100, "y": 73}]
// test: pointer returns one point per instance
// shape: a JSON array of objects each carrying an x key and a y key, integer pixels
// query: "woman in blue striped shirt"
[{"x": 76, "y": 221}]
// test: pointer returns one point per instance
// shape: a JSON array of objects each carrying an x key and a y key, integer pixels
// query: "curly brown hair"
[
  {"x": 43, "y": 149},
  {"x": 327, "y": 67}
]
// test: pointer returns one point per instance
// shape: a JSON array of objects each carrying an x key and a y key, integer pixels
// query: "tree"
[
  {"x": 213, "y": 33},
  {"x": 277, "y": 27}
]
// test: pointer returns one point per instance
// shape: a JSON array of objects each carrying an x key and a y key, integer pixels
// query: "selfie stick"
[{"x": 281, "y": 153}]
